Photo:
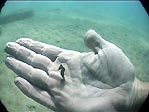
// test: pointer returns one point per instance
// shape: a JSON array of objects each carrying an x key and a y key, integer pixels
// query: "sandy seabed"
[{"x": 65, "y": 27}]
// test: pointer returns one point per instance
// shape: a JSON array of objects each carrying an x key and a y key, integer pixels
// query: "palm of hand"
[
  {"x": 96, "y": 73},
  {"x": 88, "y": 77}
]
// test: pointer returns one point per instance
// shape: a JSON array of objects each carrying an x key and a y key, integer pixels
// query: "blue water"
[
  {"x": 64, "y": 24},
  {"x": 131, "y": 11}
]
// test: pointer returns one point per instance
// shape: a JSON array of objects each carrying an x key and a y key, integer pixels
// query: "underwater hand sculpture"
[{"x": 69, "y": 81}]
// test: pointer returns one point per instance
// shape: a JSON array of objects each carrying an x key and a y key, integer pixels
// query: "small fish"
[{"x": 62, "y": 71}]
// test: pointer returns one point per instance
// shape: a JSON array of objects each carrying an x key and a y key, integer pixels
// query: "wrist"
[{"x": 139, "y": 93}]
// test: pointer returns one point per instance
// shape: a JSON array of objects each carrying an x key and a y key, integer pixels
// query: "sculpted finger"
[
  {"x": 28, "y": 56},
  {"x": 94, "y": 41},
  {"x": 50, "y": 51},
  {"x": 35, "y": 93},
  {"x": 35, "y": 76}
]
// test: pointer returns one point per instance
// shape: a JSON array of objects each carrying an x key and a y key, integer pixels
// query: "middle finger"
[{"x": 30, "y": 57}]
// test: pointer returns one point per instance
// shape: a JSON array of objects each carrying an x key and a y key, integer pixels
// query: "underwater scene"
[{"x": 63, "y": 24}]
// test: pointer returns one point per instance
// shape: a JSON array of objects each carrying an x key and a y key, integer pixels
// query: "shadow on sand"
[
  {"x": 16, "y": 17},
  {"x": 21, "y": 15}
]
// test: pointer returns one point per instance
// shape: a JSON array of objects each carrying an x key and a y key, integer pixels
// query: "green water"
[{"x": 64, "y": 24}]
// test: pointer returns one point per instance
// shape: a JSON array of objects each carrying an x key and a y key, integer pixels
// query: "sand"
[{"x": 64, "y": 25}]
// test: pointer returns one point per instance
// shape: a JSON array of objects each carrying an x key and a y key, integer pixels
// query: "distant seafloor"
[{"x": 64, "y": 24}]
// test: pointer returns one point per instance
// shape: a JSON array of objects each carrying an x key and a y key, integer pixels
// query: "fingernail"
[
  {"x": 23, "y": 40},
  {"x": 18, "y": 81},
  {"x": 8, "y": 59},
  {"x": 10, "y": 62},
  {"x": 11, "y": 48},
  {"x": 22, "y": 84},
  {"x": 10, "y": 44}
]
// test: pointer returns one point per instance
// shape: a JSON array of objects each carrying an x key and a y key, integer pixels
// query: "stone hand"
[{"x": 70, "y": 81}]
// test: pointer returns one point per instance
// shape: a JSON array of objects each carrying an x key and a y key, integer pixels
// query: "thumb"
[{"x": 94, "y": 41}]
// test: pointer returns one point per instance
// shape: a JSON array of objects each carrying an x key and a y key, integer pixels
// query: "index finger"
[{"x": 50, "y": 51}]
